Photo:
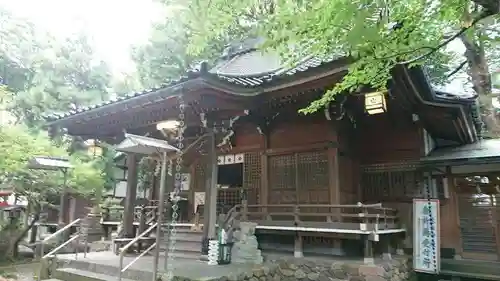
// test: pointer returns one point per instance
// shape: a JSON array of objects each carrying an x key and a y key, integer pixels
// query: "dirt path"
[{"x": 24, "y": 272}]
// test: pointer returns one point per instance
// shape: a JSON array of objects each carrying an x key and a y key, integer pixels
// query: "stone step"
[
  {"x": 107, "y": 269},
  {"x": 184, "y": 246},
  {"x": 193, "y": 237},
  {"x": 73, "y": 274},
  {"x": 185, "y": 238},
  {"x": 186, "y": 226},
  {"x": 184, "y": 230},
  {"x": 186, "y": 256}
]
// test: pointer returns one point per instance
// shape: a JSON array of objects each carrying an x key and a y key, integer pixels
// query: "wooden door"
[
  {"x": 299, "y": 178},
  {"x": 282, "y": 179},
  {"x": 312, "y": 178},
  {"x": 479, "y": 225}
]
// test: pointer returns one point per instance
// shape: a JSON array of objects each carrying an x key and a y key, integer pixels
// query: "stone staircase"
[
  {"x": 187, "y": 250},
  {"x": 187, "y": 243}
]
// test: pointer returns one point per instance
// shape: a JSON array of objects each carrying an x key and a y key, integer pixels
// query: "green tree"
[
  {"x": 46, "y": 75},
  {"x": 18, "y": 44},
  {"x": 377, "y": 35},
  {"x": 65, "y": 77},
  {"x": 166, "y": 58},
  {"x": 18, "y": 146},
  {"x": 126, "y": 83}
]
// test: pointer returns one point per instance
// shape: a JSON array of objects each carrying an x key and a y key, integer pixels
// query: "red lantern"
[{"x": 4, "y": 196}]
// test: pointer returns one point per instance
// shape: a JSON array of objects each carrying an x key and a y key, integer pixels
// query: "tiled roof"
[
  {"x": 124, "y": 98},
  {"x": 241, "y": 76},
  {"x": 242, "y": 68},
  {"x": 483, "y": 149}
]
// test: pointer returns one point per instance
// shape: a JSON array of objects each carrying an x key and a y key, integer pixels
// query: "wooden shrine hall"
[{"x": 344, "y": 174}]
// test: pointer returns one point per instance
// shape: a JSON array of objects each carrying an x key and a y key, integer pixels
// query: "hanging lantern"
[
  {"x": 93, "y": 148},
  {"x": 375, "y": 103},
  {"x": 495, "y": 80}
]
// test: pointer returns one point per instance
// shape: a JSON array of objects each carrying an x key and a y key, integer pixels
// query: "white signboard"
[
  {"x": 426, "y": 243},
  {"x": 185, "y": 181},
  {"x": 199, "y": 199}
]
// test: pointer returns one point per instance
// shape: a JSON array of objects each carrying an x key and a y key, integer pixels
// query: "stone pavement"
[
  {"x": 108, "y": 263},
  {"x": 273, "y": 269}
]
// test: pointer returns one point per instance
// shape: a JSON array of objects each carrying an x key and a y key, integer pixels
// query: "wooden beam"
[{"x": 301, "y": 148}]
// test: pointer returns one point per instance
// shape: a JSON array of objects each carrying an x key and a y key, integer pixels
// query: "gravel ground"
[{"x": 24, "y": 272}]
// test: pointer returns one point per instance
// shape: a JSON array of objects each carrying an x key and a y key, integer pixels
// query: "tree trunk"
[
  {"x": 479, "y": 74},
  {"x": 34, "y": 231},
  {"x": 478, "y": 66},
  {"x": 15, "y": 244},
  {"x": 493, "y": 6}
]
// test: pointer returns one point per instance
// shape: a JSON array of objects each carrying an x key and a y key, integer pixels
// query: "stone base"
[
  {"x": 93, "y": 228},
  {"x": 204, "y": 245},
  {"x": 369, "y": 260},
  {"x": 398, "y": 269},
  {"x": 386, "y": 256},
  {"x": 246, "y": 248}
]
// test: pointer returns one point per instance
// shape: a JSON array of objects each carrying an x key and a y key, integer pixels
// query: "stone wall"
[{"x": 397, "y": 269}]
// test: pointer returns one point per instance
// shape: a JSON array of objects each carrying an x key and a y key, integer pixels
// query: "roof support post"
[
  {"x": 128, "y": 215},
  {"x": 210, "y": 209},
  {"x": 64, "y": 204}
]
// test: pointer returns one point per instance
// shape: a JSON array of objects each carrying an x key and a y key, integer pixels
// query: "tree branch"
[
  {"x": 403, "y": 53},
  {"x": 447, "y": 41},
  {"x": 457, "y": 69},
  {"x": 492, "y": 6}
]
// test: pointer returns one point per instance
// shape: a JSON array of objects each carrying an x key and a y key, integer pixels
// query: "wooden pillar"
[
  {"x": 152, "y": 189},
  {"x": 63, "y": 209},
  {"x": 213, "y": 188},
  {"x": 368, "y": 256},
  {"x": 334, "y": 188},
  {"x": 387, "y": 244},
  {"x": 64, "y": 204},
  {"x": 128, "y": 215},
  {"x": 210, "y": 208},
  {"x": 333, "y": 176},
  {"x": 453, "y": 207},
  {"x": 34, "y": 229},
  {"x": 264, "y": 179},
  {"x": 298, "y": 251},
  {"x": 206, "y": 217}
]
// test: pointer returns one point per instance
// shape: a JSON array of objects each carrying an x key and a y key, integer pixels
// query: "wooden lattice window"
[
  {"x": 387, "y": 186},
  {"x": 228, "y": 198},
  {"x": 252, "y": 177},
  {"x": 299, "y": 178},
  {"x": 282, "y": 172},
  {"x": 312, "y": 169},
  {"x": 199, "y": 177}
]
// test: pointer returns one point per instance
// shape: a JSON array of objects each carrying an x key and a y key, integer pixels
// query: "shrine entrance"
[
  {"x": 229, "y": 182},
  {"x": 478, "y": 208}
]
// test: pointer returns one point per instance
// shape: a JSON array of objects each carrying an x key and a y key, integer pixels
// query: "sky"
[{"x": 113, "y": 25}]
